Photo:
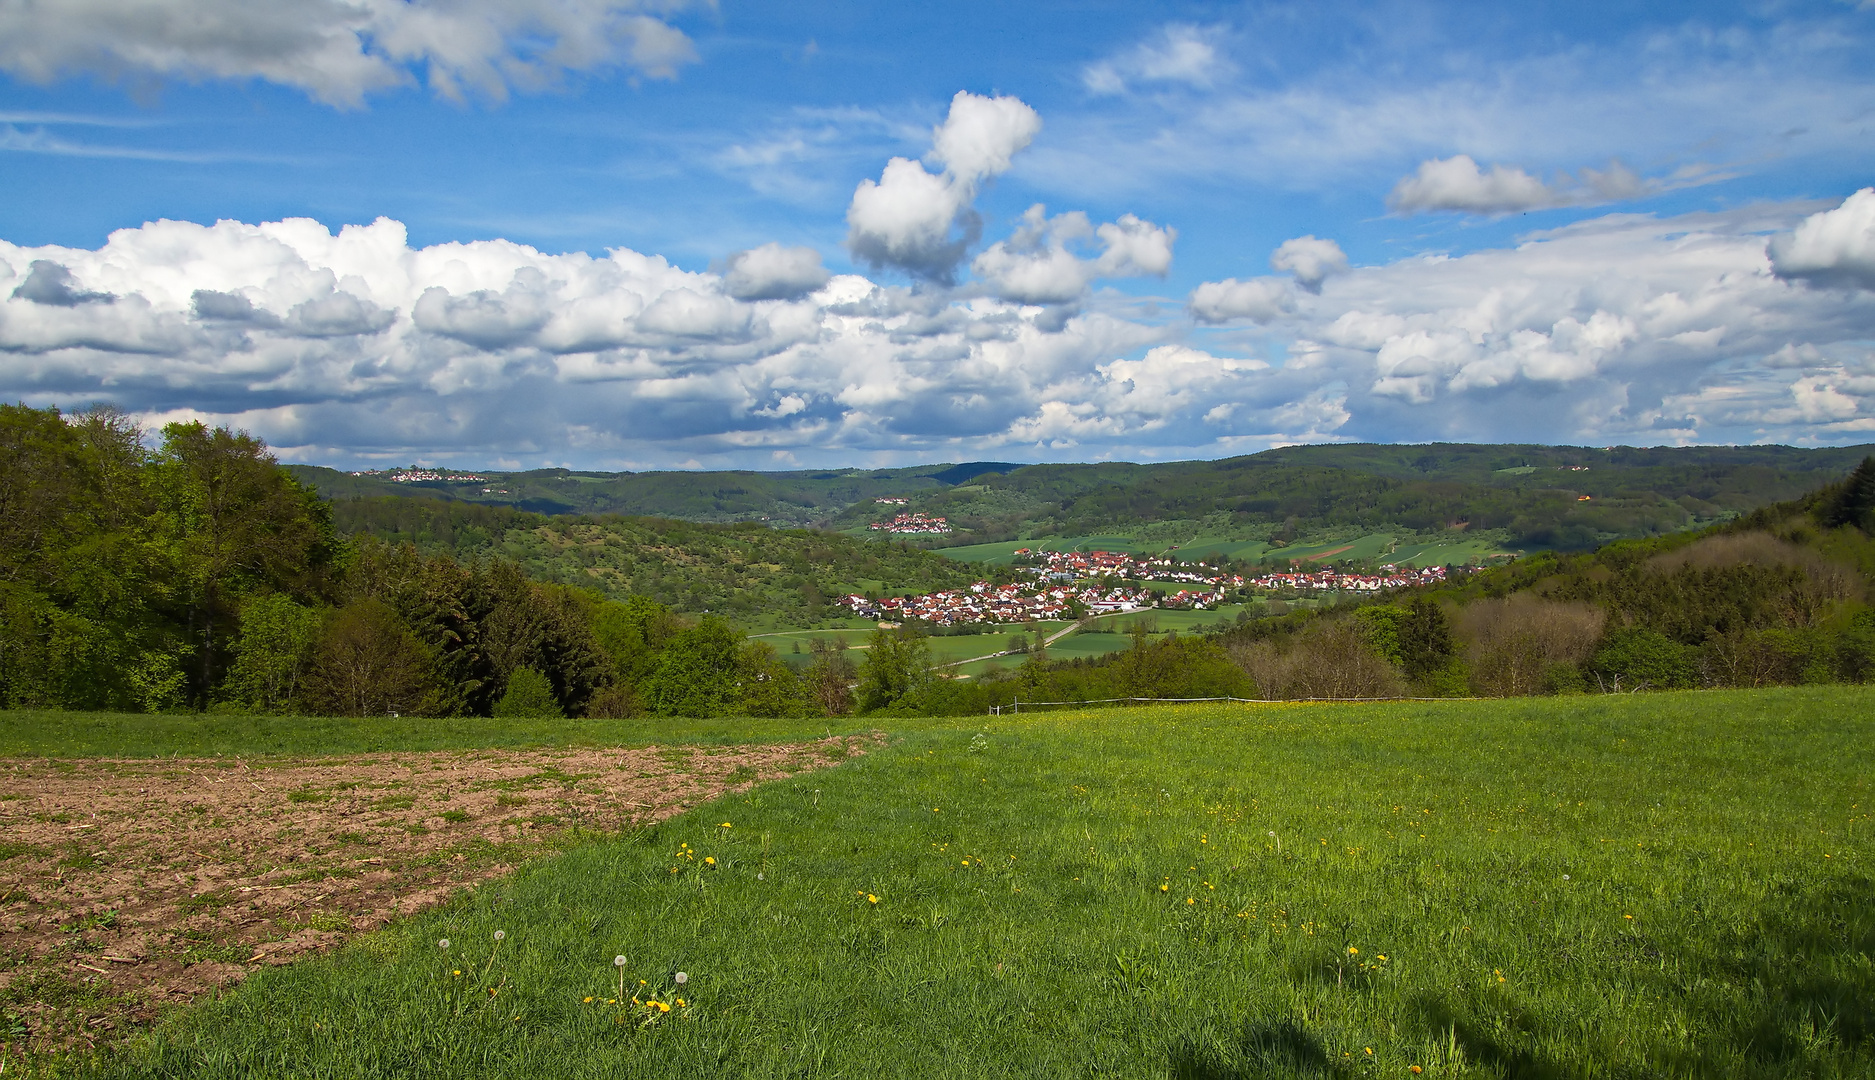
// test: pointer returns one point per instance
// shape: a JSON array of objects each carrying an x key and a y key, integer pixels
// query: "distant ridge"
[
  {"x": 970, "y": 470},
  {"x": 1519, "y": 496}
]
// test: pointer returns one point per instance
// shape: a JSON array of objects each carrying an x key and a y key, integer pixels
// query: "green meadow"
[{"x": 1670, "y": 885}]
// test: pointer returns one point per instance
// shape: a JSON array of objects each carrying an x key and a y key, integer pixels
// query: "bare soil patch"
[{"x": 130, "y": 885}]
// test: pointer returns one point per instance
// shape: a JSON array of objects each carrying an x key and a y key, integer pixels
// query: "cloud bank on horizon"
[{"x": 950, "y": 337}]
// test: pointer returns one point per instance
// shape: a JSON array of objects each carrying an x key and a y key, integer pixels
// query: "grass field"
[
  {"x": 27, "y": 733},
  {"x": 1632, "y": 886},
  {"x": 1447, "y": 553},
  {"x": 1003, "y": 552},
  {"x": 1246, "y": 550}
]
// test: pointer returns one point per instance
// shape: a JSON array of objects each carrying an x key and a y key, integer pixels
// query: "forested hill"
[
  {"x": 782, "y": 499},
  {"x": 1534, "y": 496},
  {"x": 1565, "y": 497},
  {"x": 749, "y": 572}
]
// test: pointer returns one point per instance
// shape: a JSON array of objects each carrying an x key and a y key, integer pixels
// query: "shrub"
[
  {"x": 1636, "y": 658},
  {"x": 529, "y": 695},
  {"x": 1516, "y": 644}
]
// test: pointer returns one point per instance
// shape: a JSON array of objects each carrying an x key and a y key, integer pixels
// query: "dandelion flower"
[
  {"x": 500, "y": 934},
  {"x": 663, "y": 1008},
  {"x": 1415, "y": 1070},
  {"x": 726, "y": 825},
  {"x": 458, "y": 971},
  {"x": 588, "y": 1001},
  {"x": 1369, "y": 1049},
  {"x": 709, "y": 860},
  {"x": 1189, "y": 900},
  {"x": 871, "y": 899},
  {"x": 1165, "y": 888},
  {"x": 443, "y": 944},
  {"x": 681, "y": 1003},
  {"x": 1352, "y": 951},
  {"x": 618, "y": 961},
  {"x": 682, "y": 978}
]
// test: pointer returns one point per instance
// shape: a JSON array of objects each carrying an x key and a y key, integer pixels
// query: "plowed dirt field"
[{"x": 128, "y": 885}]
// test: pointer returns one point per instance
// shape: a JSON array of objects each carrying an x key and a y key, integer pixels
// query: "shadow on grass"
[
  {"x": 1282, "y": 1049},
  {"x": 1790, "y": 996},
  {"x": 1817, "y": 1005},
  {"x": 1471, "y": 1040}
]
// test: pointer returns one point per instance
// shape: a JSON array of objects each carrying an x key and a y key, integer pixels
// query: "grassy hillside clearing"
[{"x": 1659, "y": 885}]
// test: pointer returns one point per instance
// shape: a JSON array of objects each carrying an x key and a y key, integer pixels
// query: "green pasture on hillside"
[
  {"x": 1003, "y": 552},
  {"x": 1243, "y": 550},
  {"x": 1076, "y": 646},
  {"x": 1447, "y": 553},
  {"x": 1358, "y": 549},
  {"x": 1622, "y": 886}
]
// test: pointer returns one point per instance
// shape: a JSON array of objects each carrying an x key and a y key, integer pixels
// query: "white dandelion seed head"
[
  {"x": 443, "y": 944},
  {"x": 761, "y": 877},
  {"x": 682, "y": 978},
  {"x": 499, "y": 934},
  {"x": 618, "y": 961},
  {"x": 1565, "y": 877}
]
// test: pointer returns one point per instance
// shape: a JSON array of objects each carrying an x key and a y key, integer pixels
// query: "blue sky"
[{"x": 1558, "y": 223}]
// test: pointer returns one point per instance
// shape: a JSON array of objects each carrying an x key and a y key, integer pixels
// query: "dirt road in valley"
[{"x": 126, "y": 885}]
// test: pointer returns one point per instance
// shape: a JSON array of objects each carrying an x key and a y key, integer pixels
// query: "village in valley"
[{"x": 1073, "y": 584}]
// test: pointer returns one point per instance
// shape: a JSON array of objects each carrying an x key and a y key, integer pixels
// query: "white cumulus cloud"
[
  {"x": 1312, "y": 261},
  {"x": 353, "y": 347},
  {"x": 773, "y": 272},
  {"x": 921, "y": 222},
  {"x": 340, "y": 52},
  {"x": 1039, "y": 263},
  {"x": 1258, "y": 299},
  {"x": 1834, "y": 247}
]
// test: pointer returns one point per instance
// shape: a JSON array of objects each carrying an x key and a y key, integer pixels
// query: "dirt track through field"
[{"x": 126, "y": 885}]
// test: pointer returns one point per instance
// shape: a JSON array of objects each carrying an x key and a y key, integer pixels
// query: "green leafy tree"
[
  {"x": 529, "y": 695},
  {"x": 270, "y": 655},
  {"x": 897, "y": 667},
  {"x": 1636, "y": 658},
  {"x": 632, "y": 632},
  {"x": 368, "y": 663},
  {"x": 770, "y": 687},
  {"x": 82, "y": 588},
  {"x": 699, "y": 673},
  {"x": 235, "y": 523}
]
